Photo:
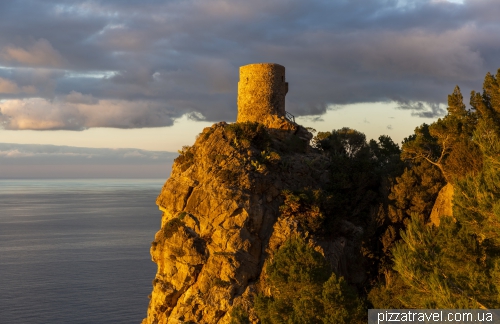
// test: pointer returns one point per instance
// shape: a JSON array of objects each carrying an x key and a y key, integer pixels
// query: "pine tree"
[
  {"x": 305, "y": 290},
  {"x": 456, "y": 265},
  {"x": 447, "y": 143}
]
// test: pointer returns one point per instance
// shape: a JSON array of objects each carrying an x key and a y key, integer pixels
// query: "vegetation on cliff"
[
  {"x": 271, "y": 225},
  {"x": 457, "y": 264},
  {"x": 305, "y": 290}
]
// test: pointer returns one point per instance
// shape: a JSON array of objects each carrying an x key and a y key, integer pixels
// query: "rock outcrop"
[
  {"x": 221, "y": 220},
  {"x": 443, "y": 205}
]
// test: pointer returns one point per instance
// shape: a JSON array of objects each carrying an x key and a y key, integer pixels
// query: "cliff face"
[{"x": 221, "y": 220}]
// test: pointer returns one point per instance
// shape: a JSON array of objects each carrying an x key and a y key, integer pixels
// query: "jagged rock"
[
  {"x": 221, "y": 222},
  {"x": 443, "y": 206}
]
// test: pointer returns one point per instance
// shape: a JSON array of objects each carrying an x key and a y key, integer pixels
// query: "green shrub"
[
  {"x": 295, "y": 144},
  {"x": 244, "y": 134},
  {"x": 304, "y": 290},
  {"x": 185, "y": 158},
  {"x": 239, "y": 316},
  {"x": 270, "y": 156},
  {"x": 304, "y": 206},
  {"x": 443, "y": 267},
  {"x": 227, "y": 176},
  {"x": 296, "y": 263}
]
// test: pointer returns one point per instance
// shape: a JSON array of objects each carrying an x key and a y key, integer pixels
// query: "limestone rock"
[
  {"x": 221, "y": 221},
  {"x": 443, "y": 205}
]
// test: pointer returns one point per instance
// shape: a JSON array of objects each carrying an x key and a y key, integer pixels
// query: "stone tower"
[{"x": 261, "y": 93}]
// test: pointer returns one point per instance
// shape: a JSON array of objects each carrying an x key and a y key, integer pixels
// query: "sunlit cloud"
[
  {"x": 78, "y": 112},
  {"x": 9, "y": 87},
  {"x": 131, "y": 64},
  {"x": 79, "y": 98},
  {"x": 40, "y": 53}
]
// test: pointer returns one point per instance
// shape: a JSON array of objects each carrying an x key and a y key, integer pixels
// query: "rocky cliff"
[{"x": 222, "y": 220}]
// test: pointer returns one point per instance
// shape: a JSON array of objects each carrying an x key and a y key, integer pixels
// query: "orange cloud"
[
  {"x": 40, "y": 54},
  {"x": 7, "y": 86},
  {"x": 80, "y": 112}
]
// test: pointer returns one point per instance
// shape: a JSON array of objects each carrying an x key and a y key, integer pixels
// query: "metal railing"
[{"x": 290, "y": 117}]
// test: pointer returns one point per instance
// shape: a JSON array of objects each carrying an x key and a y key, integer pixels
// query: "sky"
[{"x": 150, "y": 74}]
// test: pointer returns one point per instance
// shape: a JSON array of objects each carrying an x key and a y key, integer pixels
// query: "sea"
[{"x": 76, "y": 251}]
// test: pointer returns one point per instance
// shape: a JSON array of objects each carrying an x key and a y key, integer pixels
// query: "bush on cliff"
[
  {"x": 304, "y": 206},
  {"x": 305, "y": 290},
  {"x": 247, "y": 133}
]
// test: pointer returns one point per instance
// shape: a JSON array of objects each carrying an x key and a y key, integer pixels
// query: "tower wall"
[{"x": 261, "y": 92}]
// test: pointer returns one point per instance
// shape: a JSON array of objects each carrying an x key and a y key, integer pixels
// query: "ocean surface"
[{"x": 76, "y": 251}]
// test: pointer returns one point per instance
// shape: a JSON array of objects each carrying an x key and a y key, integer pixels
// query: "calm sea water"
[{"x": 76, "y": 251}]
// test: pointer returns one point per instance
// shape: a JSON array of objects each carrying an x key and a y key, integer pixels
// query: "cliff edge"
[{"x": 222, "y": 220}]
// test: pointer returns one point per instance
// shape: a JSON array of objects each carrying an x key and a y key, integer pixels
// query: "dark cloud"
[
  {"x": 154, "y": 61},
  {"x": 421, "y": 109}
]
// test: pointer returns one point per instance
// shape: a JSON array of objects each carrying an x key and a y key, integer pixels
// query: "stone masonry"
[{"x": 261, "y": 93}]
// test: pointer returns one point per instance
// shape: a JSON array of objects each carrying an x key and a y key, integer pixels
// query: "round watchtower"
[{"x": 261, "y": 92}]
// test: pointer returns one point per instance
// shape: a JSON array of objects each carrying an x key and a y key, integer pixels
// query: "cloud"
[
  {"x": 79, "y": 98},
  {"x": 7, "y": 86},
  {"x": 13, "y": 153},
  {"x": 420, "y": 109},
  {"x": 40, "y": 54},
  {"x": 145, "y": 63},
  {"x": 10, "y": 87},
  {"x": 81, "y": 112}
]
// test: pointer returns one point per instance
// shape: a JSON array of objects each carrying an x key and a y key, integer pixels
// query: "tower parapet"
[{"x": 261, "y": 93}]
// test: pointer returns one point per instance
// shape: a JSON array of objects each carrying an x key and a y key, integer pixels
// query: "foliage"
[
  {"x": 304, "y": 206},
  {"x": 239, "y": 316},
  {"x": 227, "y": 176},
  {"x": 297, "y": 262},
  {"x": 361, "y": 176},
  {"x": 246, "y": 134},
  {"x": 447, "y": 143},
  {"x": 455, "y": 265},
  {"x": 345, "y": 141},
  {"x": 390, "y": 193},
  {"x": 415, "y": 192},
  {"x": 304, "y": 290},
  {"x": 294, "y": 143},
  {"x": 269, "y": 156},
  {"x": 477, "y": 198},
  {"x": 360, "y": 172},
  {"x": 386, "y": 295},
  {"x": 443, "y": 267},
  {"x": 185, "y": 158}
]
